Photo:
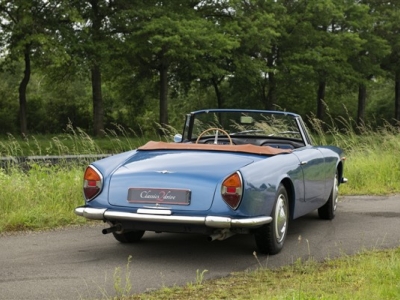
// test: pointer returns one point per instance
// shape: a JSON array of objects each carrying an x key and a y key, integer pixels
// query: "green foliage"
[{"x": 253, "y": 54}]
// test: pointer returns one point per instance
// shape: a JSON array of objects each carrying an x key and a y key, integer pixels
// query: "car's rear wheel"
[
  {"x": 271, "y": 237},
  {"x": 129, "y": 237},
  {"x": 328, "y": 210}
]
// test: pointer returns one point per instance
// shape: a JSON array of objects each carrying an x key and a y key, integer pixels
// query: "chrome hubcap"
[{"x": 280, "y": 219}]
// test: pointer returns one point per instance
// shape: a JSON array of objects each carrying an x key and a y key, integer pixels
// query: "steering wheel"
[{"x": 216, "y": 135}]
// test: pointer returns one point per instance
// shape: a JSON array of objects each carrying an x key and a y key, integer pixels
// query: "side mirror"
[{"x": 177, "y": 138}]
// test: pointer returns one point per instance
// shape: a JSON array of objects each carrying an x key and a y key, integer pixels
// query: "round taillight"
[
  {"x": 92, "y": 183},
  {"x": 232, "y": 190}
]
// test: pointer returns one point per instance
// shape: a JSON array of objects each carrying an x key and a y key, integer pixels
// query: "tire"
[
  {"x": 271, "y": 237},
  {"x": 129, "y": 237},
  {"x": 328, "y": 210}
]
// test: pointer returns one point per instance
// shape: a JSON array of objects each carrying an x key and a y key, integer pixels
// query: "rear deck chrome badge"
[{"x": 164, "y": 172}]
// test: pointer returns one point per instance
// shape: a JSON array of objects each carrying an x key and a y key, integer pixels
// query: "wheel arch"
[{"x": 288, "y": 184}]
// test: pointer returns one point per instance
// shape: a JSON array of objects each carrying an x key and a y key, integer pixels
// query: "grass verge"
[{"x": 369, "y": 275}]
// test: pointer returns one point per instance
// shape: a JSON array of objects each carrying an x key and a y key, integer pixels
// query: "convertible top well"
[{"x": 248, "y": 148}]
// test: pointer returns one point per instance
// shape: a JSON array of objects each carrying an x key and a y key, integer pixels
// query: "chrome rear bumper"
[{"x": 208, "y": 221}]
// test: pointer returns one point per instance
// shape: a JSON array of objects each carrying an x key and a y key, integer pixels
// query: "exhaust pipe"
[
  {"x": 114, "y": 228},
  {"x": 220, "y": 235}
]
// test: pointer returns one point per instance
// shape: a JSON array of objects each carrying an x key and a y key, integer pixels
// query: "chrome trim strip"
[
  {"x": 209, "y": 221},
  {"x": 166, "y": 212},
  {"x": 157, "y": 207},
  {"x": 120, "y": 215}
]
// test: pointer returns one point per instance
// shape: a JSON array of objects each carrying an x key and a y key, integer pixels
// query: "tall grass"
[
  {"x": 372, "y": 161},
  {"x": 40, "y": 196},
  {"x": 43, "y": 196},
  {"x": 76, "y": 141}
]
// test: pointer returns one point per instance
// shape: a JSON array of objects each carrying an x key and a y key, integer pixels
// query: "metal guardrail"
[{"x": 26, "y": 161}]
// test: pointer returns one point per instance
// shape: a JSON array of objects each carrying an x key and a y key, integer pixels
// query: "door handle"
[{"x": 304, "y": 162}]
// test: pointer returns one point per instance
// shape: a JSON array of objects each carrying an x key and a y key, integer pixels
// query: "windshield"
[{"x": 248, "y": 123}]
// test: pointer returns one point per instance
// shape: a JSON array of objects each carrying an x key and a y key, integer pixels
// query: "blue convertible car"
[{"x": 230, "y": 172}]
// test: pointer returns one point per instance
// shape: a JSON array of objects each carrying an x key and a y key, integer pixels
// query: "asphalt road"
[{"x": 80, "y": 262}]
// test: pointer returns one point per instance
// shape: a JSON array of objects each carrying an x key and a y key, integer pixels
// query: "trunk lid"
[{"x": 148, "y": 174}]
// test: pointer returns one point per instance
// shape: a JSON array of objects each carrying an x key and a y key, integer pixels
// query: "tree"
[
  {"x": 320, "y": 37},
  {"x": 255, "y": 60},
  {"x": 169, "y": 36},
  {"x": 90, "y": 40},
  {"x": 388, "y": 28},
  {"x": 367, "y": 60},
  {"x": 25, "y": 27}
]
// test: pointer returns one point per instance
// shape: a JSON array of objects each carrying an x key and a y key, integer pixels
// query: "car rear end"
[{"x": 170, "y": 191}]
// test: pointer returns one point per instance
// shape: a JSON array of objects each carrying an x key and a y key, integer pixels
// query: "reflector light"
[
  {"x": 232, "y": 190},
  {"x": 92, "y": 184}
]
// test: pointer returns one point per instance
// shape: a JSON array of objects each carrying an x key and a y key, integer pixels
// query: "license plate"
[{"x": 159, "y": 196}]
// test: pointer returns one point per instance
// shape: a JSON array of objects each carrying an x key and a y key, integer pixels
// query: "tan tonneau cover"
[{"x": 248, "y": 148}]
